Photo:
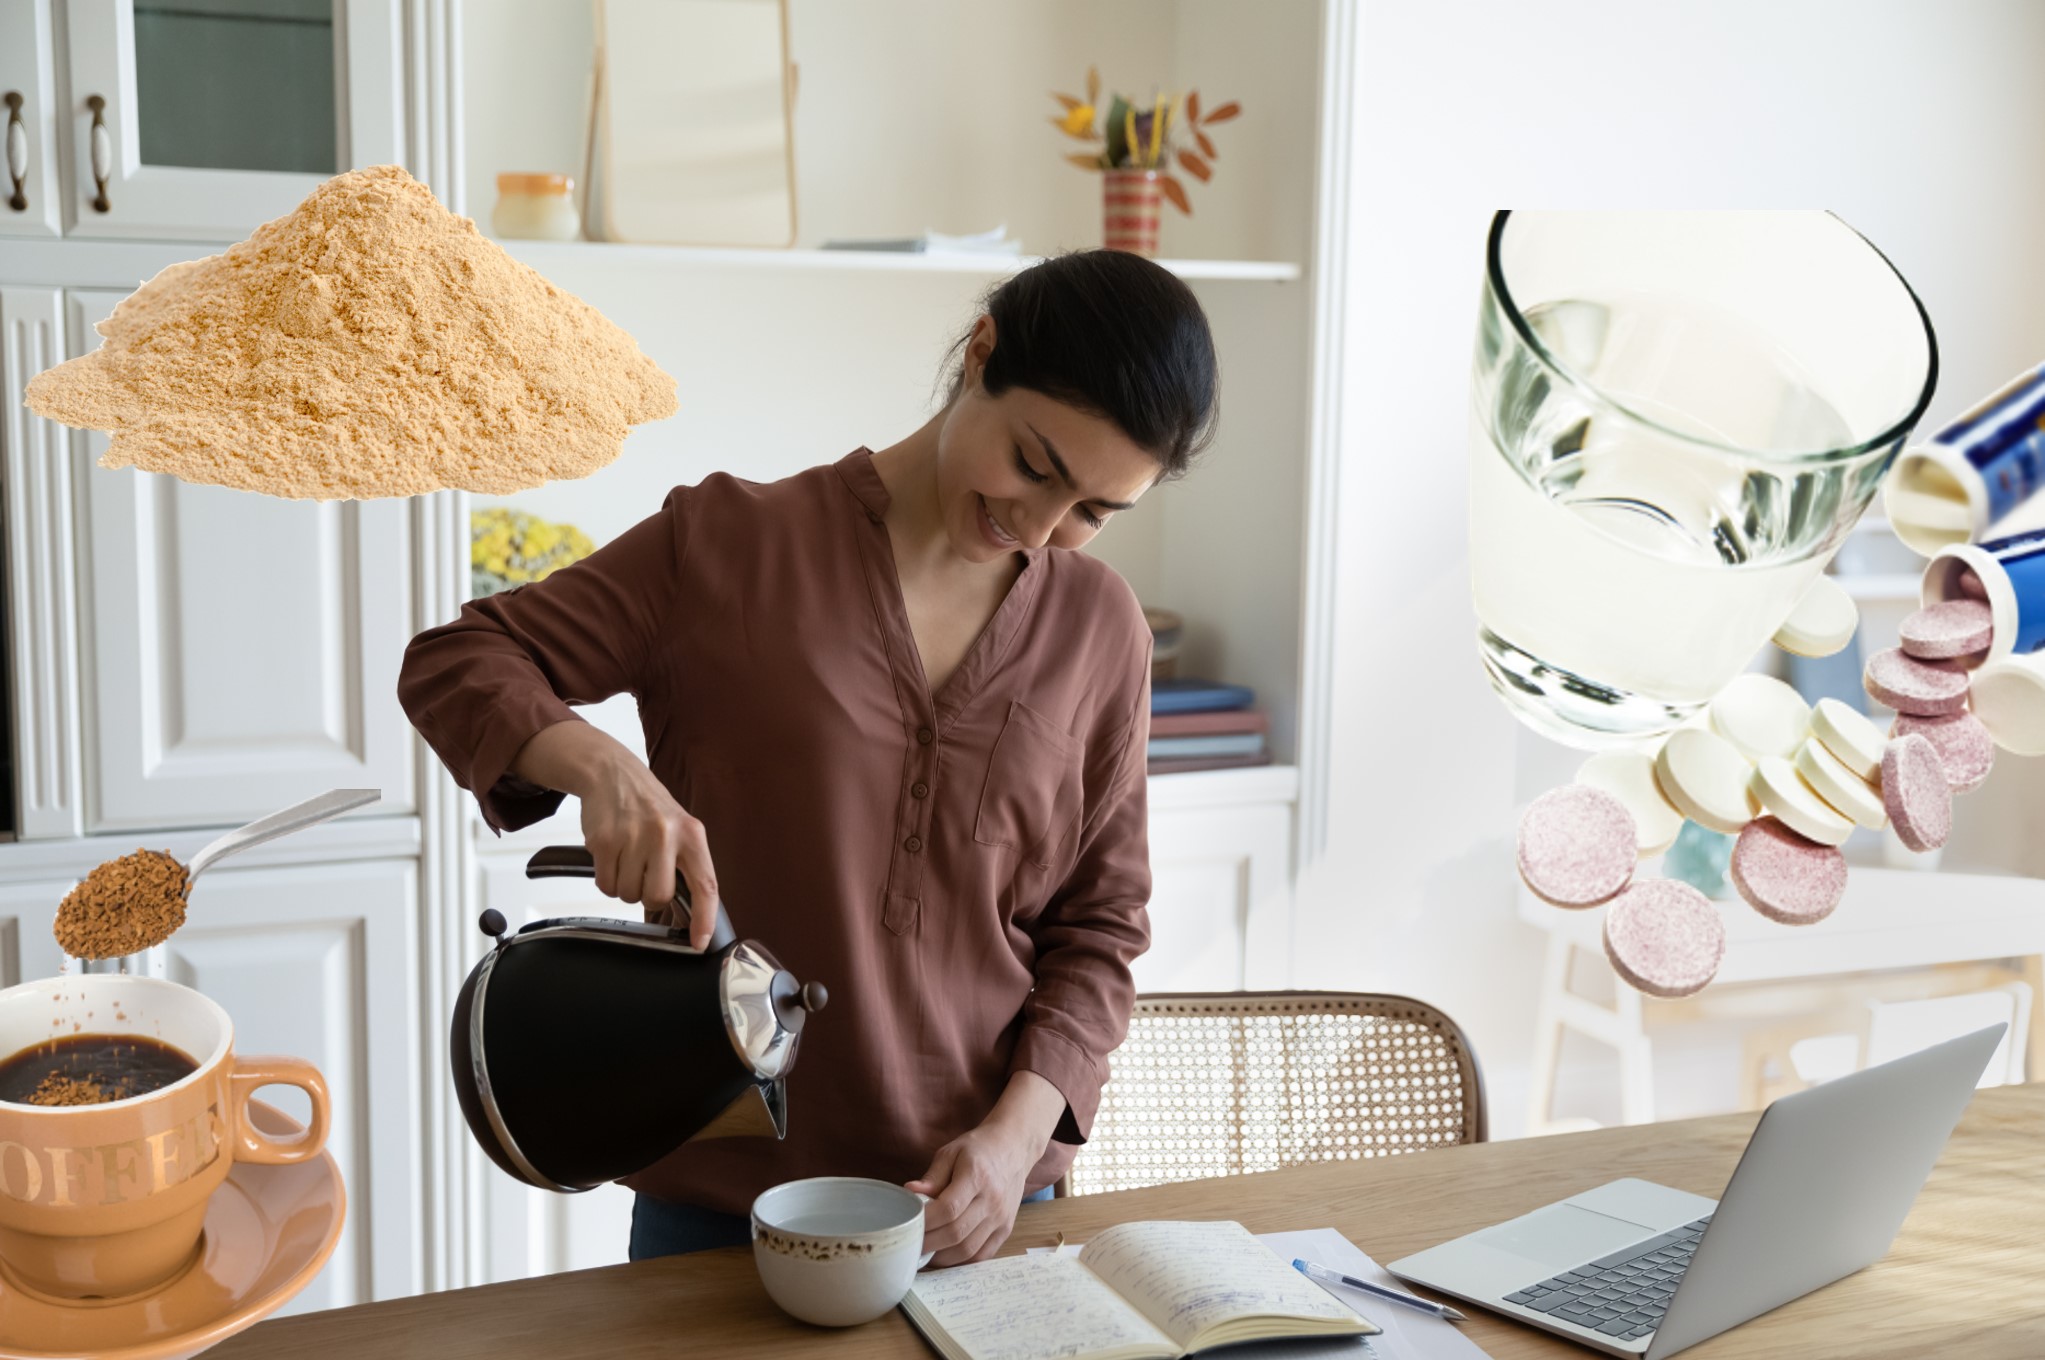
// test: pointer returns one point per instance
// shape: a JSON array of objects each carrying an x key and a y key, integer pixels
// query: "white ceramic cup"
[{"x": 838, "y": 1250}]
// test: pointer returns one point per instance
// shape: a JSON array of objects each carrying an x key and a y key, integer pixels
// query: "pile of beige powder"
[{"x": 369, "y": 344}]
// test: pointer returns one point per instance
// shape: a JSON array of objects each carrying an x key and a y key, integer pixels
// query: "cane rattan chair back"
[{"x": 1223, "y": 1083}]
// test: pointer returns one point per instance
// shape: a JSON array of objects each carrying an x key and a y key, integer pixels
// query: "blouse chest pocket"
[{"x": 1033, "y": 792}]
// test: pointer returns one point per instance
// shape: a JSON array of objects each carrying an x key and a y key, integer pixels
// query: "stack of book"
[{"x": 1200, "y": 725}]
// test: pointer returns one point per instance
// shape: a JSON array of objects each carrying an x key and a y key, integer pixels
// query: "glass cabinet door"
[
  {"x": 236, "y": 84},
  {"x": 202, "y": 119}
]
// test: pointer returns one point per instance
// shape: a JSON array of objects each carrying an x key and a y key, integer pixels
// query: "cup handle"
[
  {"x": 252, "y": 1144},
  {"x": 924, "y": 1259}
]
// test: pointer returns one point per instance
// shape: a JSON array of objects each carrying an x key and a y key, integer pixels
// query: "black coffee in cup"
[{"x": 91, "y": 1069}]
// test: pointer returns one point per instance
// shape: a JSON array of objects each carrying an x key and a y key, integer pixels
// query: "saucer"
[{"x": 268, "y": 1231}]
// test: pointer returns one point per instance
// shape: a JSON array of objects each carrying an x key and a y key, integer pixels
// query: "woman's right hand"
[{"x": 638, "y": 836}]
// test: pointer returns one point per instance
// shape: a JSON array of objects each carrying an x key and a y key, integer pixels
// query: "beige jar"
[{"x": 535, "y": 208}]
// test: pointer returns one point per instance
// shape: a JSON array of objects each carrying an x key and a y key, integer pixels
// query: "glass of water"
[{"x": 1677, "y": 416}]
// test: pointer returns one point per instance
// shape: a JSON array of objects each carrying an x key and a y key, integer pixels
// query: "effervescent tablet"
[
  {"x": 1929, "y": 689},
  {"x": 1787, "y": 877},
  {"x": 1629, "y": 777},
  {"x": 1847, "y": 734},
  {"x": 2009, "y": 699},
  {"x": 1914, "y": 788},
  {"x": 1822, "y": 623},
  {"x": 1948, "y": 630},
  {"x": 1782, "y": 791},
  {"x": 1841, "y": 787},
  {"x": 1577, "y": 846},
  {"x": 1964, "y": 747},
  {"x": 1664, "y": 937},
  {"x": 1761, "y": 715},
  {"x": 1705, "y": 776}
]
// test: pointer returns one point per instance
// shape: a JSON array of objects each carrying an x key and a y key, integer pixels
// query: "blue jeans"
[{"x": 664, "y": 1228}]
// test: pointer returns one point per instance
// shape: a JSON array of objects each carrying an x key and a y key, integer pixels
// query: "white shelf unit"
[{"x": 548, "y": 256}]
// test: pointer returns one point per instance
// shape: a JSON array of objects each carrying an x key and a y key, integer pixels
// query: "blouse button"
[
  {"x": 919, "y": 789},
  {"x": 924, "y": 736},
  {"x": 913, "y": 844}
]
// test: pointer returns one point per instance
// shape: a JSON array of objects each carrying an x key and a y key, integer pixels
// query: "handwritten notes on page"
[
  {"x": 1030, "y": 1308},
  {"x": 1190, "y": 1277}
]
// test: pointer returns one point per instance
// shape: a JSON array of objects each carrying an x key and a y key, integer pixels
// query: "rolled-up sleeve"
[
  {"x": 1093, "y": 928},
  {"x": 511, "y": 664}
]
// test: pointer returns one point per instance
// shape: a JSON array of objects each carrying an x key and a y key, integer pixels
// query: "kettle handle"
[{"x": 574, "y": 861}]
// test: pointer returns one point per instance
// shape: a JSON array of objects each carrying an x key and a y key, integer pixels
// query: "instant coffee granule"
[
  {"x": 58, "y": 1089},
  {"x": 125, "y": 905},
  {"x": 370, "y": 343}
]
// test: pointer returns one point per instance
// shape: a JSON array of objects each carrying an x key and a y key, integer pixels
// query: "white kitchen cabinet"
[
  {"x": 241, "y": 652},
  {"x": 200, "y": 119},
  {"x": 27, "y": 948},
  {"x": 41, "y": 599},
  {"x": 1221, "y": 874},
  {"x": 30, "y": 202},
  {"x": 321, "y": 962},
  {"x": 539, "y": 1232}
]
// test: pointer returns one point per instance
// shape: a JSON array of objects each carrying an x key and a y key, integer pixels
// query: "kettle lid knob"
[
  {"x": 795, "y": 1001},
  {"x": 493, "y": 924}
]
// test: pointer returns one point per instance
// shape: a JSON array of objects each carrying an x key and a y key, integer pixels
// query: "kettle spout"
[{"x": 761, "y": 1111}]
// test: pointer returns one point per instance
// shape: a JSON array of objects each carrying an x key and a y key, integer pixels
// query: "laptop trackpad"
[{"x": 1562, "y": 1235}]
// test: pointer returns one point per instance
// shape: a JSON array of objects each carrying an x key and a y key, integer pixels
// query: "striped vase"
[{"x": 1132, "y": 205}]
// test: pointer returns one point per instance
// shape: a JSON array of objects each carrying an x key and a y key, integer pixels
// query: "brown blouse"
[{"x": 967, "y": 872}]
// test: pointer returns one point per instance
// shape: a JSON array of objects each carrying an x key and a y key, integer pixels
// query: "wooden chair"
[{"x": 1224, "y": 1083}]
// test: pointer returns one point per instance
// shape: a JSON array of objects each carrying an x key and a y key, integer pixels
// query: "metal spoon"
[{"x": 297, "y": 817}]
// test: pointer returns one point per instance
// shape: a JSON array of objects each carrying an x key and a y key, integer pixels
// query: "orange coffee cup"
[{"x": 102, "y": 1201}]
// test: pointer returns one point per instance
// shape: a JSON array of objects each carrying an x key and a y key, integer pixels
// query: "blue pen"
[{"x": 1323, "y": 1275}]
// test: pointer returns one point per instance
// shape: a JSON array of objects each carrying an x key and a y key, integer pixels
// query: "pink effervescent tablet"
[
  {"x": 1577, "y": 846},
  {"x": 1915, "y": 791},
  {"x": 1786, "y": 877},
  {"x": 1948, "y": 629},
  {"x": 1664, "y": 937},
  {"x": 1970, "y": 585},
  {"x": 1930, "y": 689},
  {"x": 1964, "y": 747}
]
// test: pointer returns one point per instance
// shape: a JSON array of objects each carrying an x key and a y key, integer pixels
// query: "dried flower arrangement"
[{"x": 1147, "y": 139}]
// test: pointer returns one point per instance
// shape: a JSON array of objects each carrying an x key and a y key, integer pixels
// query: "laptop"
[{"x": 1635, "y": 1268}]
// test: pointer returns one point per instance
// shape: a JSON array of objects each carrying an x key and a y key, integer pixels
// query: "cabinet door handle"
[
  {"x": 17, "y": 152},
  {"x": 102, "y": 152}
]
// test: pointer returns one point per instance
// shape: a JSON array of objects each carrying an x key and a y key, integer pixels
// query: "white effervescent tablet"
[
  {"x": 1707, "y": 779},
  {"x": 1847, "y": 734},
  {"x": 1822, "y": 623},
  {"x": 1841, "y": 787},
  {"x": 2009, "y": 699},
  {"x": 1629, "y": 777},
  {"x": 1761, "y": 716},
  {"x": 1782, "y": 791}
]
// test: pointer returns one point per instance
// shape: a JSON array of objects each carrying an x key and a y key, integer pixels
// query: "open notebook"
[{"x": 1139, "y": 1291}]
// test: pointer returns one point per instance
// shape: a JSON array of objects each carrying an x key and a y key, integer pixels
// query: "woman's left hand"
[{"x": 975, "y": 1182}]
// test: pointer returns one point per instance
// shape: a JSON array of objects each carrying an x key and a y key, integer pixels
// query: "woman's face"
[{"x": 1024, "y": 471}]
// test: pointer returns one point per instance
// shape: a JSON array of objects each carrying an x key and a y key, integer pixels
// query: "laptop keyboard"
[{"x": 1622, "y": 1295}]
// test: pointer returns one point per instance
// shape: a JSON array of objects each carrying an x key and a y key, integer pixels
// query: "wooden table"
[{"x": 1965, "y": 1278}]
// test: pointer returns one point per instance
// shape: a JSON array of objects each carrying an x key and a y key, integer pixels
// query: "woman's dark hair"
[{"x": 1113, "y": 334}]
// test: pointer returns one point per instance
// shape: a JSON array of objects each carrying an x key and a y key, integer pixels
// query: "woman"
[{"x": 902, "y": 725}]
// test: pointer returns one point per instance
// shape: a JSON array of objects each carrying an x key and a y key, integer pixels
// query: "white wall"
[{"x": 1921, "y": 124}]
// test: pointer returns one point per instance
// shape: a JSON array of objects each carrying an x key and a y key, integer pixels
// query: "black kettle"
[{"x": 586, "y": 1049}]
